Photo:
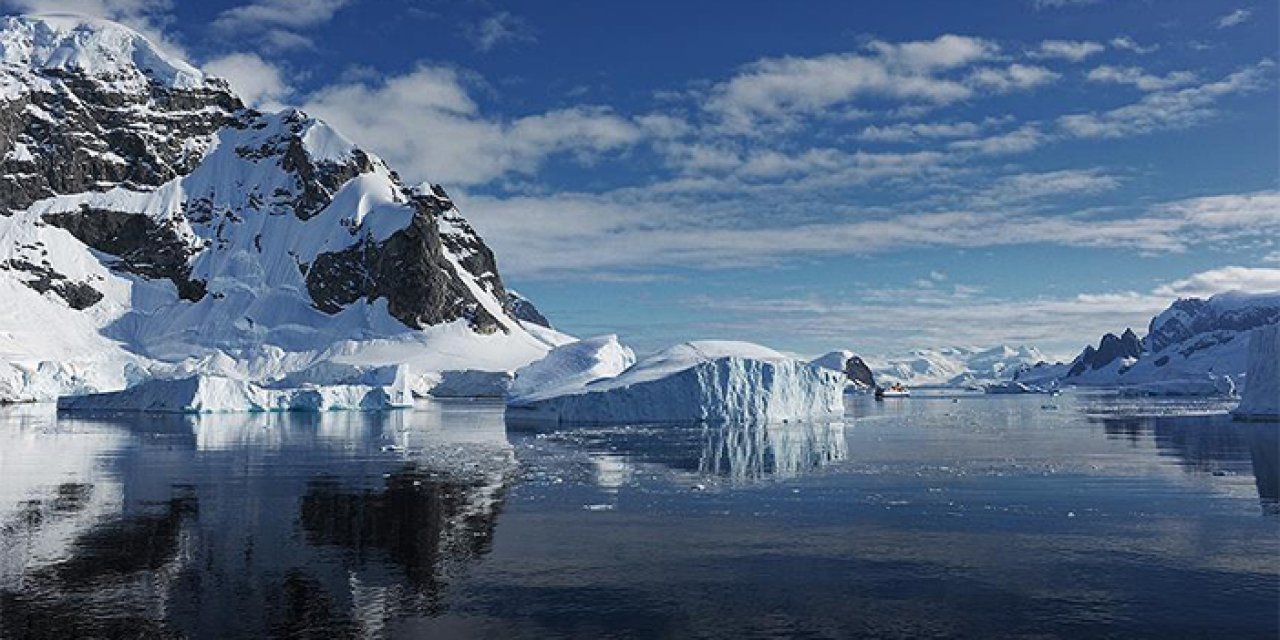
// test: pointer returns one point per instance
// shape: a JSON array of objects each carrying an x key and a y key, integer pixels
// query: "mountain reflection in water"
[{"x": 275, "y": 524}]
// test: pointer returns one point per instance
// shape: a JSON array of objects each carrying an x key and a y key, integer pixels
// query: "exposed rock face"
[
  {"x": 523, "y": 309},
  {"x": 142, "y": 246},
  {"x": 859, "y": 372},
  {"x": 1110, "y": 349},
  {"x": 409, "y": 269}
]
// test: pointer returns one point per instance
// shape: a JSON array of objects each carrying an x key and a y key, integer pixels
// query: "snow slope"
[
  {"x": 954, "y": 366},
  {"x": 1261, "y": 399},
  {"x": 569, "y": 368},
  {"x": 708, "y": 381},
  {"x": 159, "y": 228}
]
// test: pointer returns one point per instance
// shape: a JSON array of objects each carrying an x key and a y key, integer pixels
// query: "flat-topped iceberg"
[
  {"x": 708, "y": 381},
  {"x": 1261, "y": 399},
  {"x": 218, "y": 394}
]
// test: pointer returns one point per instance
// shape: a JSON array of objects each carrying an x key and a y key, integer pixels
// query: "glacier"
[
  {"x": 704, "y": 381},
  {"x": 1261, "y": 400}
]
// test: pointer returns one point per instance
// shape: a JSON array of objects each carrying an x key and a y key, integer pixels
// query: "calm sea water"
[{"x": 1012, "y": 516}]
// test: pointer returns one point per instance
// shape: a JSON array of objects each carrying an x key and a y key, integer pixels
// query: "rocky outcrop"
[
  {"x": 139, "y": 245},
  {"x": 524, "y": 310},
  {"x": 409, "y": 270},
  {"x": 1110, "y": 349}
]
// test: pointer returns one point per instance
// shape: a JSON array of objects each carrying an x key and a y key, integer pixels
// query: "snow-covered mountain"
[
  {"x": 1195, "y": 346},
  {"x": 954, "y": 366},
  {"x": 149, "y": 222}
]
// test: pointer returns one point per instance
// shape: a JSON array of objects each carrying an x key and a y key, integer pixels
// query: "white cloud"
[
  {"x": 1059, "y": 4},
  {"x": 1020, "y": 140},
  {"x": 1073, "y": 50},
  {"x": 1140, "y": 79},
  {"x": 540, "y": 236},
  {"x": 274, "y": 24},
  {"x": 1207, "y": 283},
  {"x": 1125, "y": 43},
  {"x": 907, "y": 132},
  {"x": 289, "y": 14},
  {"x": 258, "y": 83},
  {"x": 427, "y": 125},
  {"x": 893, "y": 319},
  {"x": 777, "y": 90},
  {"x": 1014, "y": 77},
  {"x": 1166, "y": 109},
  {"x": 1237, "y": 17},
  {"x": 499, "y": 28},
  {"x": 1030, "y": 186}
]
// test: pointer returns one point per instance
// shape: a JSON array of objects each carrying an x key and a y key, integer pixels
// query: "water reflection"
[
  {"x": 243, "y": 525},
  {"x": 743, "y": 452},
  {"x": 1210, "y": 444}
]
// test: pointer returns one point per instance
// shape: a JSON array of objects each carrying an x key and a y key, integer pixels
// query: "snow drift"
[
  {"x": 1261, "y": 399},
  {"x": 709, "y": 381}
]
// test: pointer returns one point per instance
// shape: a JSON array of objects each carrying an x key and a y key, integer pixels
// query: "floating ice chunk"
[
  {"x": 711, "y": 381},
  {"x": 216, "y": 394}
]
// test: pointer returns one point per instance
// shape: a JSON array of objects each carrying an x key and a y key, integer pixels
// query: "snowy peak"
[
  {"x": 1196, "y": 346},
  {"x": 955, "y": 366},
  {"x": 55, "y": 44},
  {"x": 156, "y": 220},
  {"x": 1231, "y": 311}
]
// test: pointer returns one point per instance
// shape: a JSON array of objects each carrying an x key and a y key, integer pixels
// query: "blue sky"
[{"x": 819, "y": 175}]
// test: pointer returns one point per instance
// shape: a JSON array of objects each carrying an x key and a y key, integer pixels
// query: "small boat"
[{"x": 895, "y": 390}]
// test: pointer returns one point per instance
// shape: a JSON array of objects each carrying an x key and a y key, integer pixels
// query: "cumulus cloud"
[
  {"x": 1125, "y": 43},
  {"x": 1073, "y": 50},
  {"x": 1207, "y": 283},
  {"x": 258, "y": 83},
  {"x": 427, "y": 125},
  {"x": 776, "y": 90},
  {"x": 1014, "y": 77},
  {"x": 275, "y": 24},
  {"x": 1139, "y": 78}
]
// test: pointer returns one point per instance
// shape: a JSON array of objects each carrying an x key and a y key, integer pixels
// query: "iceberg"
[
  {"x": 218, "y": 394},
  {"x": 707, "y": 381},
  {"x": 1261, "y": 399}
]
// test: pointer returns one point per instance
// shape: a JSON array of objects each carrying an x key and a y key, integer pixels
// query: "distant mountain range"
[
  {"x": 1196, "y": 346},
  {"x": 954, "y": 366}
]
